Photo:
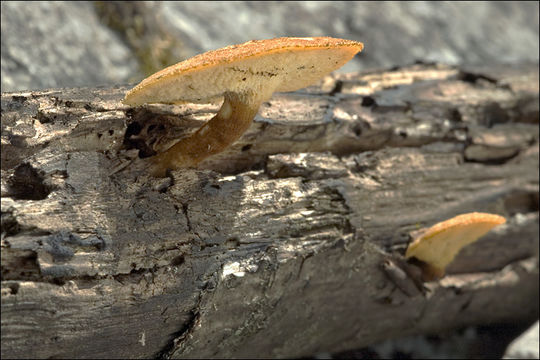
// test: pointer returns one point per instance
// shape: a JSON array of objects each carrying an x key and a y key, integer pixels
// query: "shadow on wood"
[{"x": 276, "y": 247}]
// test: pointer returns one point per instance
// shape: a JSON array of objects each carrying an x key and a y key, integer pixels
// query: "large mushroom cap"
[{"x": 259, "y": 67}]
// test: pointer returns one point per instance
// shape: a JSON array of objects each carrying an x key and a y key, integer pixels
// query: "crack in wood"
[{"x": 294, "y": 234}]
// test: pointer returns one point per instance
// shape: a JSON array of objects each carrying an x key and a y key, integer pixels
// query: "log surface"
[{"x": 276, "y": 247}]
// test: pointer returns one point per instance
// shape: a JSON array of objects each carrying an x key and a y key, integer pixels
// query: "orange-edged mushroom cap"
[
  {"x": 261, "y": 66},
  {"x": 439, "y": 244}
]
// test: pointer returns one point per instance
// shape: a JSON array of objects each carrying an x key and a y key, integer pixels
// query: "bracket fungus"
[
  {"x": 245, "y": 75},
  {"x": 437, "y": 246}
]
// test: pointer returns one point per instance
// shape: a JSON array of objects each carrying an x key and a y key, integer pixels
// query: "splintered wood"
[{"x": 288, "y": 243}]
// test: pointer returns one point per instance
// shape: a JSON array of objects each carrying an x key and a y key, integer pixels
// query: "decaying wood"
[{"x": 289, "y": 243}]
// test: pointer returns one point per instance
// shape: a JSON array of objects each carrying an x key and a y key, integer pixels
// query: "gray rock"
[
  {"x": 525, "y": 346},
  {"x": 59, "y": 44},
  {"x": 394, "y": 33},
  {"x": 51, "y": 44}
]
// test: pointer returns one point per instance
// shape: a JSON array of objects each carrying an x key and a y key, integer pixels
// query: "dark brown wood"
[{"x": 285, "y": 245}]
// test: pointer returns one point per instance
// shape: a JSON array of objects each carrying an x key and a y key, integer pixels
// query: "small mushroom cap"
[
  {"x": 439, "y": 244},
  {"x": 255, "y": 67}
]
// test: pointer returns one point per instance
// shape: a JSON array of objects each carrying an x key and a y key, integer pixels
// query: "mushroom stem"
[{"x": 232, "y": 120}]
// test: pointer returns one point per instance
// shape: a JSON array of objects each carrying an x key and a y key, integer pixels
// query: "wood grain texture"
[{"x": 278, "y": 246}]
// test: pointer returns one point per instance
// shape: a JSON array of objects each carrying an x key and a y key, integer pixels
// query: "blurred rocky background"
[
  {"x": 66, "y": 44},
  {"x": 88, "y": 44}
]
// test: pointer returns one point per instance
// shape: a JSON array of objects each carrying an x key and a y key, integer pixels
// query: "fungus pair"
[
  {"x": 245, "y": 75},
  {"x": 248, "y": 74},
  {"x": 438, "y": 246}
]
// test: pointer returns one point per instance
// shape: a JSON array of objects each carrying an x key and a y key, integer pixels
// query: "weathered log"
[{"x": 278, "y": 246}]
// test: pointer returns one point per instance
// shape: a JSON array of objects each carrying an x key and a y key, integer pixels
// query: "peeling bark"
[{"x": 286, "y": 244}]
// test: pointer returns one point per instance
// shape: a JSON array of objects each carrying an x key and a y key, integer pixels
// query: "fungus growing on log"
[
  {"x": 438, "y": 245},
  {"x": 245, "y": 75}
]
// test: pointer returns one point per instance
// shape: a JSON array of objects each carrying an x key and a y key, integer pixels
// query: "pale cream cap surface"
[{"x": 256, "y": 67}]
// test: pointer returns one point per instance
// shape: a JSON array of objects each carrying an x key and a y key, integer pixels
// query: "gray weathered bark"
[{"x": 276, "y": 247}]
